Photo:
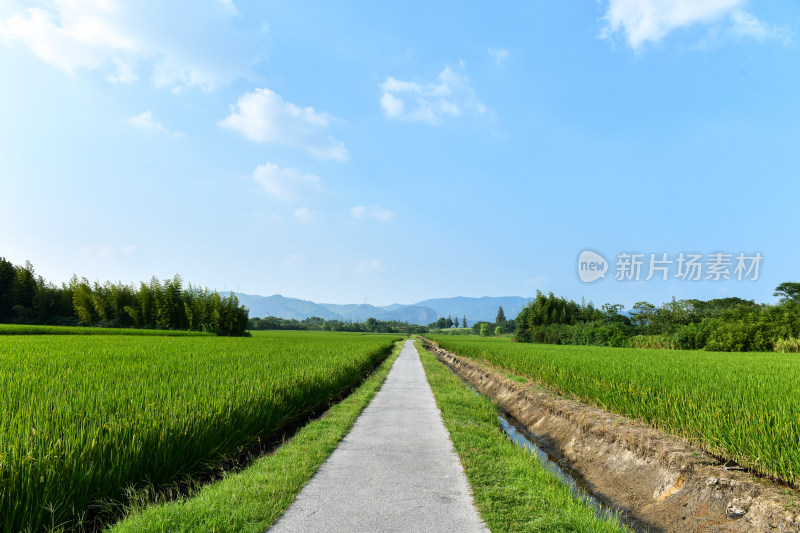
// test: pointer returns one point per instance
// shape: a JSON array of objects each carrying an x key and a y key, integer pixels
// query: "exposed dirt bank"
[{"x": 662, "y": 482}]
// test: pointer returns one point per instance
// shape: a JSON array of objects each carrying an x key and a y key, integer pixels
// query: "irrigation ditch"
[{"x": 656, "y": 482}]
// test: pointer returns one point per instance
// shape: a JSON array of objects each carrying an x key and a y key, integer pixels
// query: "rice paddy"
[
  {"x": 86, "y": 416},
  {"x": 740, "y": 406}
]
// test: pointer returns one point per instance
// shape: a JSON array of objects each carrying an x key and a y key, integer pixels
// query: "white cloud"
[
  {"x": 228, "y": 4},
  {"x": 392, "y": 106},
  {"x": 287, "y": 184},
  {"x": 306, "y": 214},
  {"x": 499, "y": 55},
  {"x": 747, "y": 25},
  {"x": 264, "y": 116},
  {"x": 145, "y": 121},
  {"x": 375, "y": 212},
  {"x": 450, "y": 95},
  {"x": 651, "y": 20},
  {"x": 123, "y": 39},
  {"x": 643, "y": 21},
  {"x": 368, "y": 265}
]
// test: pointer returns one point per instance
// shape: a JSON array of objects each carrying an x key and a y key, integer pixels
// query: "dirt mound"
[{"x": 660, "y": 481}]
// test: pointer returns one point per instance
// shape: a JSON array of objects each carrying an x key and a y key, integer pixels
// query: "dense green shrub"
[{"x": 725, "y": 324}]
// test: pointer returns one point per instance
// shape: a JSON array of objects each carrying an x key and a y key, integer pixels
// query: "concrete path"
[{"x": 395, "y": 471}]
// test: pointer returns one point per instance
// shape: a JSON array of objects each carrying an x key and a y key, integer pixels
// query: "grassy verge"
[
  {"x": 253, "y": 499},
  {"x": 512, "y": 491}
]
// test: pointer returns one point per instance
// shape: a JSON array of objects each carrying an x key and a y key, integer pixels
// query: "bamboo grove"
[{"x": 26, "y": 298}]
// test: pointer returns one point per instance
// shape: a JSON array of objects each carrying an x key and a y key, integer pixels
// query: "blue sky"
[{"x": 359, "y": 151}]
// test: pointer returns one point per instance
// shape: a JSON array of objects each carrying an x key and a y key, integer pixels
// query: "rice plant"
[
  {"x": 83, "y": 418},
  {"x": 653, "y": 342},
  {"x": 741, "y": 406}
]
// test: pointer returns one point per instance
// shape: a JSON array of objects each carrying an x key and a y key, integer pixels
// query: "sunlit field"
[{"x": 84, "y": 417}]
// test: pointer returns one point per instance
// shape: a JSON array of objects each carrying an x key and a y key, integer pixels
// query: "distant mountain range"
[{"x": 475, "y": 309}]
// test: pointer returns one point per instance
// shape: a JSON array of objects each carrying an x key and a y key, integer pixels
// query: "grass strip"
[
  {"x": 253, "y": 499},
  {"x": 512, "y": 491}
]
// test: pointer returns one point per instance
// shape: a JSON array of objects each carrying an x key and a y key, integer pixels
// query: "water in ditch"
[
  {"x": 522, "y": 437},
  {"x": 519, "y": 435}
]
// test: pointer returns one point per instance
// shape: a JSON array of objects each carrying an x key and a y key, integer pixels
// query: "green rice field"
[
  {"x": 740, "y": 406},
  {"x": 85, "y": 416}
]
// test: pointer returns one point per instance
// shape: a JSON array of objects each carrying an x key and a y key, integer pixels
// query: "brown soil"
[{"x": 660, "y": 481}]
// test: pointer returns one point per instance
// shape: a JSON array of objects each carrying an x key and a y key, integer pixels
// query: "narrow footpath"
[{"x": 395, "y": 471}]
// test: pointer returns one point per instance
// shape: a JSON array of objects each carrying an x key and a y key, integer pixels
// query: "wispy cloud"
[
  {"x": 124, "y": 39},
  {"x": 747, "y": 25},
  {"x": 287, "y": 184},
  {"x": 499, "y": 55},
  {"x": 145, "y": 121},
  {"x": 265, "y": 116},
  {"x": 643, "y": 21},
  {"x": 374, "y": 212},
  {"x": 229, "y": 5},
  {"x": 306, "y": 214},
  {"x": 449, "y": 96}
]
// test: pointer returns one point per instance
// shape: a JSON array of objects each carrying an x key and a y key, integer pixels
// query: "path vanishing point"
[{"x": 396, "y": 471}]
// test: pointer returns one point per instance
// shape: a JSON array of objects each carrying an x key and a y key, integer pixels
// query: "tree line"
[
  {"x": 500, "y": 326},
  {"x": 26, "y": 298},
  {"x": 447, "y": 323},
  {"x": 723, "y": 324},
  {"x": 371, "y": 325}
]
